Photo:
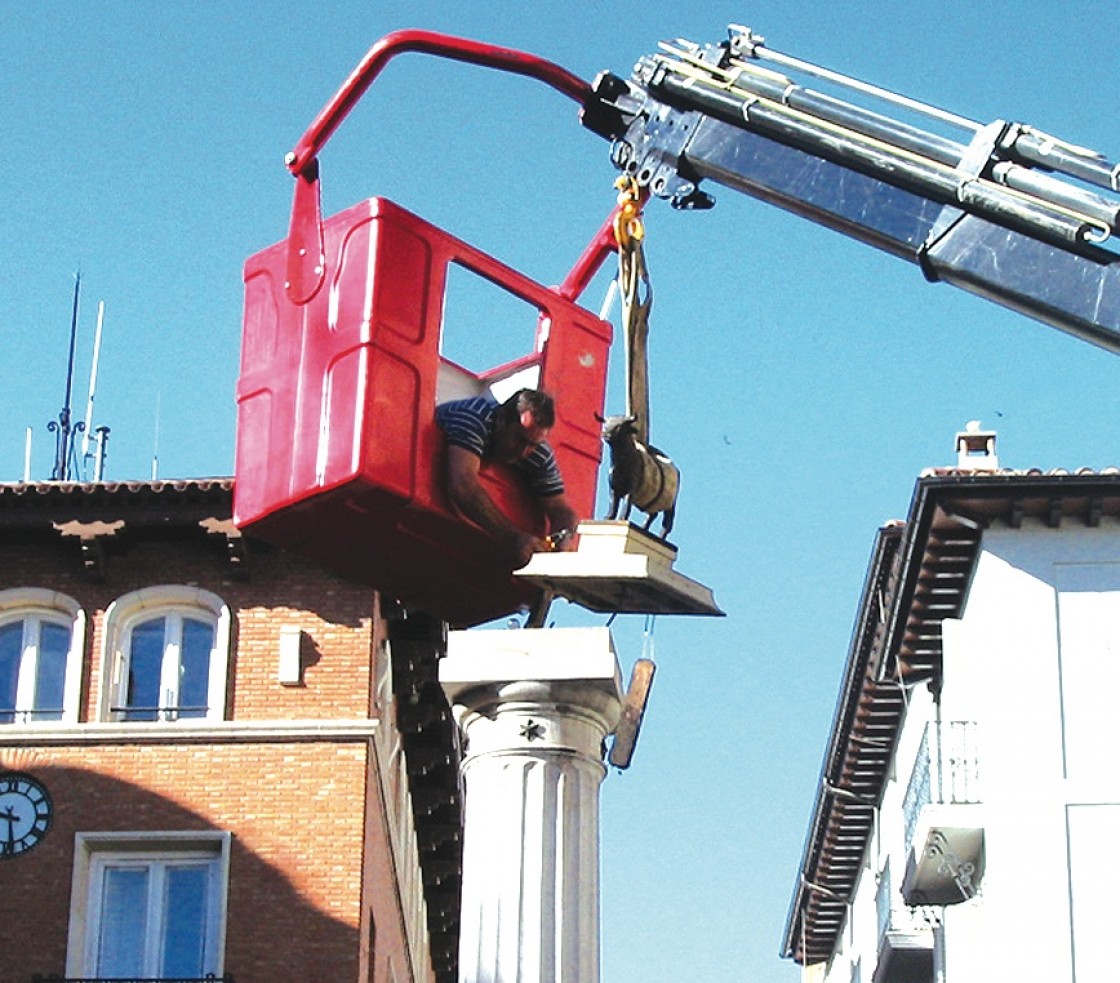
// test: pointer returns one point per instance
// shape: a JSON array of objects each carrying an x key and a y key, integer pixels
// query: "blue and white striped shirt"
[{"x": 469, "y": 423}]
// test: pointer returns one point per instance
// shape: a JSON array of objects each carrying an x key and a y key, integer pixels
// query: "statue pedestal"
[{"x": 617, "y": 568}]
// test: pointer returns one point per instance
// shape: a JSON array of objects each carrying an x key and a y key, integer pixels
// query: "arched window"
[
  {"x": 167, "y": 650},
  {"x": 41, "y": 635}
]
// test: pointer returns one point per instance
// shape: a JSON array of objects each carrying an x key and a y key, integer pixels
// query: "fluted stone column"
[{"x": 534, "y": 707}]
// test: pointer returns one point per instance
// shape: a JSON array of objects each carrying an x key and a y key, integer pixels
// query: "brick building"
[{"x": 215, "y": 758}]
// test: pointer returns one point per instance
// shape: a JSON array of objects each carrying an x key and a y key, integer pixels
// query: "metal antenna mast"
[
  {"x": 99, "y": 434},
  {"x": 61, "y": 428}
]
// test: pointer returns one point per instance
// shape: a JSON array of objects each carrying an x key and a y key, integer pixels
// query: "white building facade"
[{"x": 968, "y": 807}]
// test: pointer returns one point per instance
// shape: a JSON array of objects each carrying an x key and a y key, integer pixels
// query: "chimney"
[{"x": 976, "y": 448}]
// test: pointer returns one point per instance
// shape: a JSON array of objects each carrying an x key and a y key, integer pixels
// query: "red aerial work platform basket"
[{"x": 339, "y": 458}]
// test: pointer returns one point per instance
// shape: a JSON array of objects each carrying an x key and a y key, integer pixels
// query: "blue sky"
[{"x": 800, "y": 380}]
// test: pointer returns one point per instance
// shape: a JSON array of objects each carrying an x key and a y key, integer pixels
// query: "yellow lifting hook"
[{"x": 628, "y": 228}]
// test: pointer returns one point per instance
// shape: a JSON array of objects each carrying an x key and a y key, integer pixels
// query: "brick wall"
[
  {"x": 297, "y": 818},
  {"x": 306, "y": 817},
  {"x": 334, "y": 614}
]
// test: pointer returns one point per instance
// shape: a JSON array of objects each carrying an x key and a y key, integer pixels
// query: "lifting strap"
[{"x": 637, "y": 299}]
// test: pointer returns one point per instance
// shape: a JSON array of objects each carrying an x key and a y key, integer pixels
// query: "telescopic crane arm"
[{"x": 998, "y": 209}]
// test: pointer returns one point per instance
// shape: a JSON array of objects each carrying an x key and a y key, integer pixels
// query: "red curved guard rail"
[
  {"x": 593, "y": 256},
  {"x": 434, "y": 43}
]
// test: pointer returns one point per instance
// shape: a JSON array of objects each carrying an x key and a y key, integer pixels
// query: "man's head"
[{"x": 522, "y": 423}]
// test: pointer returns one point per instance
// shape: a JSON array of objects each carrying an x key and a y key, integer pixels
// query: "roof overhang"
[{"x": 28, "y": 504}]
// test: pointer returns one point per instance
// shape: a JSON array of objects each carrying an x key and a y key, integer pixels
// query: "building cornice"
[
  {"x": 178, "y": 734},
  {"x": 43, "y": 503}
]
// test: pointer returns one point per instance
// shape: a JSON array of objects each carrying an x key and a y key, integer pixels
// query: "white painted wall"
[{"x": 1035, "y": 657}]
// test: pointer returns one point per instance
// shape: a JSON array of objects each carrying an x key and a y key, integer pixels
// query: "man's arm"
[
  {"x": 561, "y": 516},
  {"x": 469, "y": 497}
]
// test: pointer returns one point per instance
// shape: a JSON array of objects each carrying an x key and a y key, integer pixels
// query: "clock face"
[{"x": 25, "y": 813}]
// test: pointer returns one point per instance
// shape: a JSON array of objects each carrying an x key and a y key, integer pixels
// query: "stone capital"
[{"x": 566, "y": 675}]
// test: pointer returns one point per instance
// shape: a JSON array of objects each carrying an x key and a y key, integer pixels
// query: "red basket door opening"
[{"x": 338, "y": 455}]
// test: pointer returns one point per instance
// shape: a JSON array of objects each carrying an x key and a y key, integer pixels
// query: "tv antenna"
[
  {"x": 65, "y": 431},
  {"x": 101, "y": 434}
]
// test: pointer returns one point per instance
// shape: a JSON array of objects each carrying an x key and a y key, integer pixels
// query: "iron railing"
[
  {"x": 946, "y": 770},
  {"x": 10, "y": 715},
  {"x": 208, "y": 978},
  {"x": 893, "y": 915},
  {"x": 159, "y": 713}
]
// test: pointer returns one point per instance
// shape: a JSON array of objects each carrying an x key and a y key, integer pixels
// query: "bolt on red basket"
[{"x": 338, "y": 455}]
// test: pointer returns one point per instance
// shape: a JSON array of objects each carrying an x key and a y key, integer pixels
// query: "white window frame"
[
  {"x": 35, "y": 604},
  {"x": 175, "y": 601},
  {"x": 93, "y": 851}
]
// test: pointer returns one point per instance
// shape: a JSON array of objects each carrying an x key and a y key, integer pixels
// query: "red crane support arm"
[{"x": 429, "y": 42}]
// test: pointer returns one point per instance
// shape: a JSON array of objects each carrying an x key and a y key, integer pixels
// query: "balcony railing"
[
  {"x": 905, "y": 951},
  {"x": 208, "y": 978},
  {"x": 946, "y": 771},
  {"x": 10, "y": 715},
  {"x": 897, "y": 920},
  {"x": 942, "y": 817},
  {"x": 162, "y": 713}
]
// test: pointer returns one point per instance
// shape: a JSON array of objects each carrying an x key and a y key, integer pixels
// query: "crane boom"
[{"x": 999, "y": 209}]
